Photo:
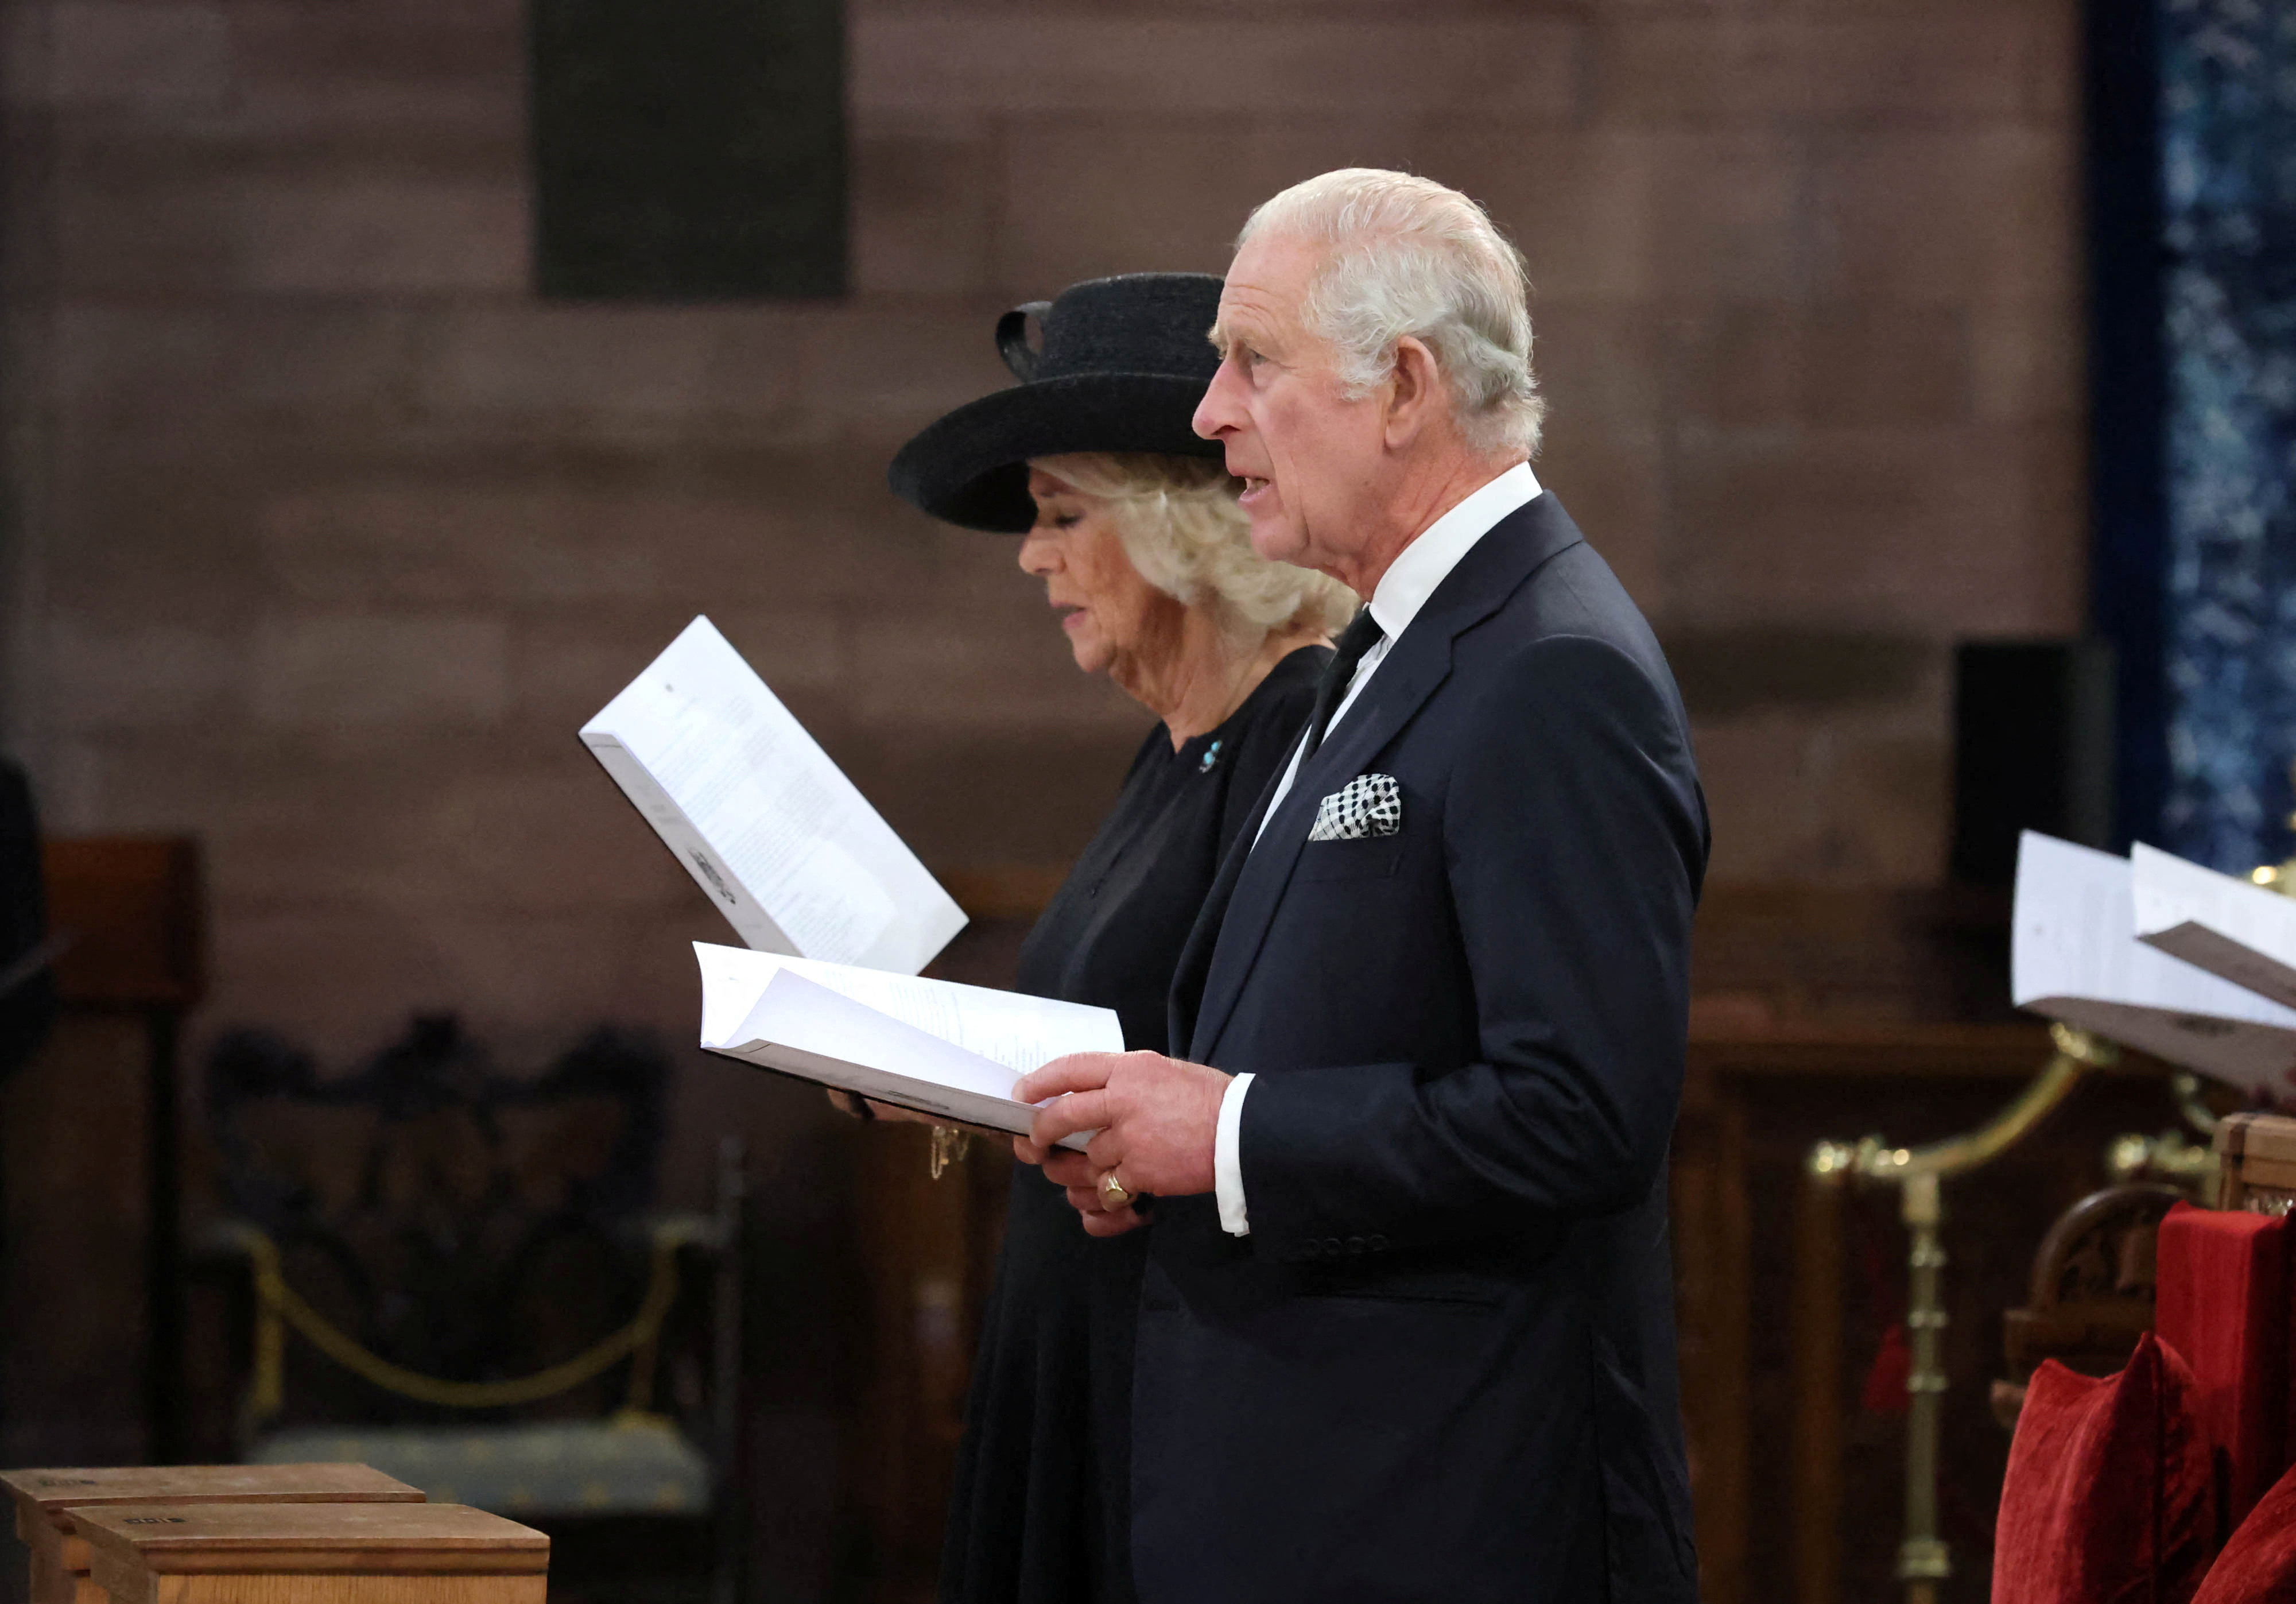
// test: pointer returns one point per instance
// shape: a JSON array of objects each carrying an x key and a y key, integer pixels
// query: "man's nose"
[{"x": 1217, "y": 413}]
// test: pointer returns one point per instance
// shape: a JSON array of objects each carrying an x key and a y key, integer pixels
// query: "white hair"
[
  {"x": 1406, "y": 256},
  {"x": 1179, "y": 522}
]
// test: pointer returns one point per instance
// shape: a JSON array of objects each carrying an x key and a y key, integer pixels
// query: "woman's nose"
[{"x": 1037, "y": 553}]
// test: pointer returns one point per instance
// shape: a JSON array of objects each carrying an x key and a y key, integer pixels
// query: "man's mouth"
[{"x": 1252, "y": 486}]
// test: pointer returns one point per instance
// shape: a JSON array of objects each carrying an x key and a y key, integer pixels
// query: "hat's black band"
[{"x": 1013, "y": 338}]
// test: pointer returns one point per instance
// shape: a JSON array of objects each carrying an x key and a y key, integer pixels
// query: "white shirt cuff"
[{"x": 1227, "y": 1162}]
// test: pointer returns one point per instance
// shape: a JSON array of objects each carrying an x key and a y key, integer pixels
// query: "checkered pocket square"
[{"x": 1368, "y": 805}]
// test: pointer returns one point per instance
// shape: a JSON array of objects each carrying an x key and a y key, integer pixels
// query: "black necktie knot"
[{"x": 1359, "y": 638}]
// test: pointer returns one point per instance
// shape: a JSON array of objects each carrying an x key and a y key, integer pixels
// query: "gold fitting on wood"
[
  {"x": 1923, "y": 1559},
  {"x": 950, "y": 1144}
]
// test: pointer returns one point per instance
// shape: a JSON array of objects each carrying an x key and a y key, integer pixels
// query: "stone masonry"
[{"x": 324, "y": 535}]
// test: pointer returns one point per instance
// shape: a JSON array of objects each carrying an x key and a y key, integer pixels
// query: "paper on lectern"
[
  {"x": 2074, "y": 956},
  {"x": 785, "y": 846},
  {"x": 931, "y": 1045},
  {"x": 2228, "y": 926}
]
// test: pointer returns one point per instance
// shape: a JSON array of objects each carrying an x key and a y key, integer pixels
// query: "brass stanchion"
[{"x": 1924, "y": 1558}]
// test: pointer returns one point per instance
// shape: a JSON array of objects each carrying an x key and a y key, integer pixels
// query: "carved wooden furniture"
[
  {"x": 49, "y": 1502},
  {"x": 2093, "y": 1283},
  {"x": 455, "y": 1275},
  {"x": 128, "y": 917},
  {"x": 2257, "y": 1157},
  {"x": 267, "y": 1553}
]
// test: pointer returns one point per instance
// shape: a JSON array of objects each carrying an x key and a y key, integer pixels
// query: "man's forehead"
[{"x": 1263, "y": 288}]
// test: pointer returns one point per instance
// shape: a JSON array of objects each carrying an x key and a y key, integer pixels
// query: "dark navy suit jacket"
[{"x": 1441, "y": 1366}]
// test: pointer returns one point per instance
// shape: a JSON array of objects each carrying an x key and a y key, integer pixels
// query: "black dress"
[{"x": 1038, "y": 1512}]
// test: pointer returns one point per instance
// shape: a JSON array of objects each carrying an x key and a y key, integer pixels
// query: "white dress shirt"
[{"x": 1403, "y": 590}]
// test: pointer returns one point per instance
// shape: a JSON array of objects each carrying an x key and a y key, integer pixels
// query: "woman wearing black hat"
[{"x": 1132, "y": 522}]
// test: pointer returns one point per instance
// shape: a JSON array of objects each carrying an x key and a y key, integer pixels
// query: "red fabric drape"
[
  {"x": 2259, "y": 1564},
  {"x": 2224, "y": 1304}
]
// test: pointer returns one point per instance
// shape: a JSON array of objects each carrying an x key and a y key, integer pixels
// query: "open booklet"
[
  {"x": 783, "y": 843},
  {"x": 2227, "y": 926},
  {"x": 931, "y": 1045},
  {"x": 2075, "y": 956}
]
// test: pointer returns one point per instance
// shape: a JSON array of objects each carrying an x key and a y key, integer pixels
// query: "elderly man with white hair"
[{"x": 1407, "y": 1328}]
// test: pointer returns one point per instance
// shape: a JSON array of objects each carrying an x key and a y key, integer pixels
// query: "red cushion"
[
  {"x": 2259, "y": 1564},
  {"x": 2223, "y": 1303},
  {"x": 2109, "y": 1498}
]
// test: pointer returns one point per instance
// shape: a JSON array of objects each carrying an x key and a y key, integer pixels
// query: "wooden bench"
[
  {"x": 48, "y": 1503},
  {"x": 336, "y": 1553}
]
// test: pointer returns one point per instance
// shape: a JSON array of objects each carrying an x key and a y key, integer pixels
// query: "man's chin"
[{"x": 1276, "y": 541}]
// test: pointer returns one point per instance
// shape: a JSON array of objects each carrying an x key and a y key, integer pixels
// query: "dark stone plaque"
[{"x": 688, "y": 149}]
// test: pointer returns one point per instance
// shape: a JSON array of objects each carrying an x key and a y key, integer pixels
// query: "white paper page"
[
  {"x": 784, "y": 830},
  {"x": 1006, "y": 1028},
  {"x": 795, "y": 1013},
  {"x": 2228, "y": 926},
  {"x": 806, "y": 1029},
  {"x": 2074, "y": 957}
]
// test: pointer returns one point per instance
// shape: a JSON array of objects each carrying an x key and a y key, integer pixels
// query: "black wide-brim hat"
[{"x": 1124, "y": 363}]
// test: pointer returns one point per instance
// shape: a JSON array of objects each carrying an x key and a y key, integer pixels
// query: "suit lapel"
[
  {"x": 1226, "y": 938},
  {"x": 1187, "y": 993}
]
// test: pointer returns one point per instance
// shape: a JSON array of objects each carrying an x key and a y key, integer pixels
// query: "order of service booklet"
[
  {"x": 2075, "y": 956},
  {"x": 931, "y": 1045},
  {"x": 2228, "y": 926},
  {"x": 787, "y": 847}
]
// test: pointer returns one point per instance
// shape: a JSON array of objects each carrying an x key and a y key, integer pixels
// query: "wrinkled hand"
[{"x": 1157, "y": 1118}]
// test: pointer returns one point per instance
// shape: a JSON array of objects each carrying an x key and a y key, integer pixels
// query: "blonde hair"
[
  {"x": 1406, "y": 256},
  {"x": 1179, "y": 523}
]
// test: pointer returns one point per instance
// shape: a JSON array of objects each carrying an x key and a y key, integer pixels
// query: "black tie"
[{"x": 1357, "y": 639}]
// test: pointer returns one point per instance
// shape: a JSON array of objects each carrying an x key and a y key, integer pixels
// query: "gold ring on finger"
[{"x": 1112, "y": 1192}]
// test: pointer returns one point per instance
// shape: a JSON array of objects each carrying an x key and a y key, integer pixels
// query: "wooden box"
[
  {"x": 309, "y": 1553},
  {"x": 2256, "y": 1158},
  {"x": 45, "y": 1501}
]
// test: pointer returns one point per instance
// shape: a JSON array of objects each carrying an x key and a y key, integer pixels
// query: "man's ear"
[{"x": 1414, "y": 392}]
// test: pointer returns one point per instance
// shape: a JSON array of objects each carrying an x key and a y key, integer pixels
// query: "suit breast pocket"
[{"x": 1373, "y": 858}]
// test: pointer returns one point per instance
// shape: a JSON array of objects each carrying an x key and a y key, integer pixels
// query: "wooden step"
[
  {"x": 313, "y": 1553},
  {"x": 45, "y": 1500}
]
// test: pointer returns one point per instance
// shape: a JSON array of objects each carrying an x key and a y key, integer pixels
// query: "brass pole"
[{"x": 1923, "y": 1559}]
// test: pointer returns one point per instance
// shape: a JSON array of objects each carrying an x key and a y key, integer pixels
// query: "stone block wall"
[{"x": 324, "y": 534}]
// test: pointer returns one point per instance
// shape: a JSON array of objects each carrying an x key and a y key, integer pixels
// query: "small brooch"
[{"x": 1211, "y": 756}]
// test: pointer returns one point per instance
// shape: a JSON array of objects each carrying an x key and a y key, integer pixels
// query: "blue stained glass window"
[{"x": 2228, "y": 188}]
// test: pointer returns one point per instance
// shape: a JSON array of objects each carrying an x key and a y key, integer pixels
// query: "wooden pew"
[
  {"x": 307, "y": 1553},
  {"x": 50, "y": 1502}
]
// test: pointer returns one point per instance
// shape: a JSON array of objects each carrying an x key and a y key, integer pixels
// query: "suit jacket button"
[
  {"x": 1355, "y": 1246},
  {"x": 1378, "y": 1244},
  {"x": 1332, "y": 1247}
]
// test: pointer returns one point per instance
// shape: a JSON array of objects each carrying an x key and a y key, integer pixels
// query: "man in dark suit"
[{"x": 1407, "y": 1330}]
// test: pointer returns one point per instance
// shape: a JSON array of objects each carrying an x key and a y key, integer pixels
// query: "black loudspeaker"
[{"x": 2033, "y": 750}]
